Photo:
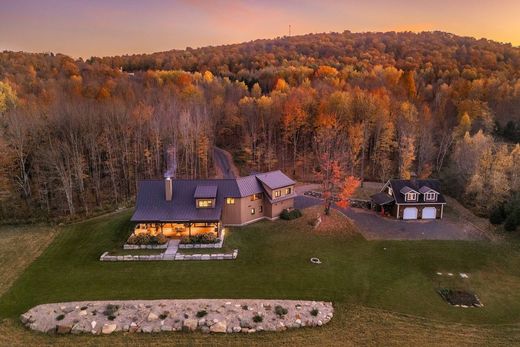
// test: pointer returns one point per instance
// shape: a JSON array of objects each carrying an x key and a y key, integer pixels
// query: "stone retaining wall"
[
  {"x": 202, "y": 245},
  {"x": 153, "y": 316},
  {"x": 155, "y": 257},
  {"x": 128, "y": 246}
]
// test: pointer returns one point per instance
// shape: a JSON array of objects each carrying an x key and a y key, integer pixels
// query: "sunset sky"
[{"x": 110, "y": 27}]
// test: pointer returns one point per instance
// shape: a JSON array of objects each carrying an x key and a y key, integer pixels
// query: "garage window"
[{"x": 430, "y": 196}]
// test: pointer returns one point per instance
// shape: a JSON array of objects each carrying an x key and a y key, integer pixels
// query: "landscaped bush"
[
  {"x": 200, "y": 238},
  {"x": 202, "y": 313},
  {"x": 280, "y": 311},
  {"x": 497, "y": 216},
  {"x": 146, "y": 239},
  {"x": 512, "y": 221},
  {"x": 290, "y": 214},
  {"x": 110, "y": 311}
]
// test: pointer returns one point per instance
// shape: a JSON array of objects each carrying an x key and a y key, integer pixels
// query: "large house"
[
  {"x": 178, "y": 207},
  {"x": 410, "y": 199}
]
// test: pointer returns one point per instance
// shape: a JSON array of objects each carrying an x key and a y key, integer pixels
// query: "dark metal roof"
[
  {"x": 248, "y": 185},
  {"x": 151, "y": 204},
  {"x": 275, "y": 179},
  {"x": 398, "y": 185},
  {"x": 205, "y": 192},
  {"x": 382, "y": 198}
]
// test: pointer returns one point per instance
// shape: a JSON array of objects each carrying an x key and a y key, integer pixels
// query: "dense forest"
[{"x": 75, "y": 136}]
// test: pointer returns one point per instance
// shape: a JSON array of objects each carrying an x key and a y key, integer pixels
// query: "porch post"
[{"x": 219, "y": 230}]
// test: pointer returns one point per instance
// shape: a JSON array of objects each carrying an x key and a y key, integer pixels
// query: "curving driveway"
[{"x": 375, "y": 227}]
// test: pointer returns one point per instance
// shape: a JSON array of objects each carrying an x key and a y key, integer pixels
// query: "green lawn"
[{"x": 394, "y": 276}]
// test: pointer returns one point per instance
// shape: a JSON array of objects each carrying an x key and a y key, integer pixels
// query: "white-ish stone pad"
[{"x": 153, "y": 316}]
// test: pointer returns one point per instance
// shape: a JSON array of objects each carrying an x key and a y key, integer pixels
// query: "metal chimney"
[{"x": 171, "y": 169}]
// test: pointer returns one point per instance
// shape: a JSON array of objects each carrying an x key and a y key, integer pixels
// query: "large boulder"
[
  {"x": 190, "y": 324},
  {"x": 63, "y": 328},
  {"x": 109, "y": 328},
  {"x": 220, "y": 327},
  {"x": 152, "y": 317}
]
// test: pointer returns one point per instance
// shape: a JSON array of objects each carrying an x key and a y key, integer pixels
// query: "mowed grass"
[
  {"x": 383, "y": 290},
  {"x": 19, "y": 246}
]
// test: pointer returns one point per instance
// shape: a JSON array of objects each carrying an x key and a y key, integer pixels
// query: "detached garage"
[{"x": 410, "y": 199}]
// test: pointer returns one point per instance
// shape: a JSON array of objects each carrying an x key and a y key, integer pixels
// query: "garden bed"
[
  {"x": 202, "y": 241},
  {"x": 459, "y": 298}
]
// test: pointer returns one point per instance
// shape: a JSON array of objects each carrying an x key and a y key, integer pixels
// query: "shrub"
[
  {"x": 512, "y": 221},
  {"x": 314, "y": 312},
  {"x": 497, "y": 216},
  {"x": 202, "y": 313},
  {"x": 146, "y": 239},
  {"x": 290, "y": 214},
  {"x": 280, "y": 311},
  {"x": 200, "y": 238},
  {"x": 111, "y": 310},
  {"x": 257, "y": 318},
  {"x": 60, "y": 317}
]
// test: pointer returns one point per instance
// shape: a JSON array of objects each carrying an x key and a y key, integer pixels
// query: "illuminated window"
[
  {"x": 256, "y": 197},
  {"x": 390, "y": 192},
  {"x": 288, "y": 191},
  {"x": 260, "y": 209},
  {"x": 230, "y": 201},
  {"x": 277, "y": 193},
  {"x": 204, "y": 203},
  {"x": 253, "y": 211}
]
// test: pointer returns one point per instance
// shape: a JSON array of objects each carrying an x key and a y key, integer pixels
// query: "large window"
[
  {"x": 288, "y": 191},
  {"x": 260, "y": 209},
  {"x": 277, "y": 193},
  {"x": 430, "y": 196},
  {"x": 253, "y": 211},
  {"x": 204, "y": 203},
  {"x": 230, "y": 201}
]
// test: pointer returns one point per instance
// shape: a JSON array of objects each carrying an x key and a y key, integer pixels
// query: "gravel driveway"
[{"x": 375, "y": 227}]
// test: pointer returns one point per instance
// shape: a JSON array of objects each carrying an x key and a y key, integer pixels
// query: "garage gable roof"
[{"x": 398, "y": 186}]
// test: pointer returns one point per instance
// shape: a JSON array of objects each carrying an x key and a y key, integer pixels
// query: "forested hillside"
[{"x": 76, "y": 135}]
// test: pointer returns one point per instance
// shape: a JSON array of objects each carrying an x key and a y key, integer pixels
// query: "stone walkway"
[
  {"x": 153, "y": 316},
  {"x": 173, "y": 247}
]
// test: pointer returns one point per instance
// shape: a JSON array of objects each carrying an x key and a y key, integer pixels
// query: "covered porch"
[{"x": 179, "y": 229}]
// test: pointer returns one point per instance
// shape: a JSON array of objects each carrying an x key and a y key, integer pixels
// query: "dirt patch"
[{"x": 331, "y": 224}]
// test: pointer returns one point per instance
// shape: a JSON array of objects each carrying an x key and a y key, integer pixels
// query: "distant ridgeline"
[{"x": 76, "y": 136}]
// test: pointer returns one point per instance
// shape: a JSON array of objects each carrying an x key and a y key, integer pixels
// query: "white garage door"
[
  {"x": 429, "y": 213},
  {"x": 410, "y": 213}
]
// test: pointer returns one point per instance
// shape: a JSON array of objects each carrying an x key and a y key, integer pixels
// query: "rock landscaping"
[
  {"x": 176, "y": 256},
  {"x": 154, "y": 316}
]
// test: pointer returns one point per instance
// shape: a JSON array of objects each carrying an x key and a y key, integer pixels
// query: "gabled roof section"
[
  {"x": 406, "y": 190},
  {"x": 248, "y": 185},
  {"x": 205, "y": 192},
  {"x": 275, "y": 179},
  {"x": 414, "y": 185},
  {"x": 426, "y": 189},
  {"x": 382, "y": 198}
]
